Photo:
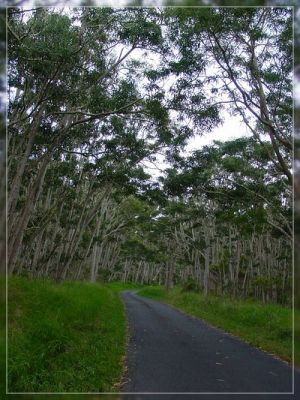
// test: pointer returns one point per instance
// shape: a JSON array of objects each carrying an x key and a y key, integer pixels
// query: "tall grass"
[
  {"x": 268, "y": 326},
  {"x": 297, "y": 337},
  {"x": 68, "y": 337},
  {"x": 2, "y": 336}
]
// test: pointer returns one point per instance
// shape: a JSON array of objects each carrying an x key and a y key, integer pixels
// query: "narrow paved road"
[{"x": 172, "y": 352}]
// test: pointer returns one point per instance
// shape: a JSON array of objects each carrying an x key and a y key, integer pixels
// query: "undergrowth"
[{"x": 67, "y": 337}]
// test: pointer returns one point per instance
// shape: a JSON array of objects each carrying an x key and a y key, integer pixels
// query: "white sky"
[{"x": 232, "y": 128}]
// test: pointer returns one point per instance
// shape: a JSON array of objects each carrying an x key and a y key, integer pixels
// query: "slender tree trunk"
[
  {"x": 17, "y": 236},
  {"x": 206, "y": 269},
  {"x": 16, "y": 183}
]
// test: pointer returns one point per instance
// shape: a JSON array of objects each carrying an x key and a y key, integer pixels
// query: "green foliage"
[
  {"x": 2, "y": 333},
  {"x": 120, "y": 286},
  {"x": 239, "y": 179},
  {"x": 190, "y": 286},
  {"x": 64, "y": 338},
  {"x": 297, "y": 336},
  {"x": 103, "y": 275},
  {"x": 114, "y": 90},
  {"x": 146, "y": 33},
  {"x": 154, "y": 292}
]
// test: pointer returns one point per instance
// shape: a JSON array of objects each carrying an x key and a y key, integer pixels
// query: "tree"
[
  {"x": 96, "y": 94},
  {"x": 251, "y": 53}
]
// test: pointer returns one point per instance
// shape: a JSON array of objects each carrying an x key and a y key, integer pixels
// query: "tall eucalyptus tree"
[{"x": 97, "y": 93}]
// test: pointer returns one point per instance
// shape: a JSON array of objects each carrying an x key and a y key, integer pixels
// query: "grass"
[
  {"x": 68, "y": 337},
  {"x": 267, "y": 326},
  {"x": 2, "y": 335},
  {"x": 297, "y": 337},
  {"x": 120, "y": 286},
  {"x": 71, "y": 337}
]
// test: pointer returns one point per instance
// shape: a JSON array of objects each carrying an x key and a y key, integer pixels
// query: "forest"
[{"x": 101, "y": 187}]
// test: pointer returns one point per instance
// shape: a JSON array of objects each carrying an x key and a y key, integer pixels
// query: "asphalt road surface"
[{"x": 170, "y": 352}]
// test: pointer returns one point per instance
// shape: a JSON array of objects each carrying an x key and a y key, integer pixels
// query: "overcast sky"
[{"x": 232, "y": 128}]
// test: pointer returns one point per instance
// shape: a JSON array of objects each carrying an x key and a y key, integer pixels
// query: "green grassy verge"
[
  {"x": 297, "y": 338},
  {"x": 2, "y": 336},
  {"x": 120, "y": 286},
  {"x": 67, "y": 337},
  {"x": 267, "y": 326}
]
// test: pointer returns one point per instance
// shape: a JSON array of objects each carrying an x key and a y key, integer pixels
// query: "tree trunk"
[{"x": 17, "y": 235}]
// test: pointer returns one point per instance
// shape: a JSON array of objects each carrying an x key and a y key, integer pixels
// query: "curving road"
[{"x": 170, "y": 352}]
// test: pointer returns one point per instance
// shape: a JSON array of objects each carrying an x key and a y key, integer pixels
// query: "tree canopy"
[{"x": 98, "y": 97}]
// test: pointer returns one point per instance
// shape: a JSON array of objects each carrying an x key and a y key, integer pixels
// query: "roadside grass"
[
  {"x": 120, "y": 286},
  {"x": 68, "y": 337},
  {"x": 2, "y": 335},
  {"x": 297, "y": 337},
  {"x": 266, "y": 326}
]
